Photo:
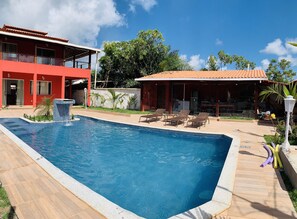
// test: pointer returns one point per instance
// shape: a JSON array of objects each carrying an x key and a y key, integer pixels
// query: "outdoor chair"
[
  {"x": 152, "y": 117},
  {"x": 181, "y": 117},
  {"x": 199, "y": 120}
]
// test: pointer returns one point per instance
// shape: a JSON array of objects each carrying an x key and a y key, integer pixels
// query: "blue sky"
[
  {"x": 256, "y": 29},
  {"x": 199, "y": 28}
]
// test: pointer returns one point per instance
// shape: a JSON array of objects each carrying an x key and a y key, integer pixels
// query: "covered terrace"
[{"x": 230, "y": 92}]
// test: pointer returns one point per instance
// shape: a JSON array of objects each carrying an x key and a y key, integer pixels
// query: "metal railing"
[{"x": 18, "y": 57}]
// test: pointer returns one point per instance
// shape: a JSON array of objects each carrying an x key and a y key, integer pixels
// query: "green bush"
[{"x": 281, "y": 128}]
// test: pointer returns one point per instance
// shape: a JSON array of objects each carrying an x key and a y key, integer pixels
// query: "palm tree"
[
  {"x": 45, "y": 107},
  {"x": 281, "y": 91},
  {"x": 115, "y": 99}
]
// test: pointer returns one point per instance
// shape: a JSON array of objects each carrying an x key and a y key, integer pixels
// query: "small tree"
[
  {"x": 45, "y": 107},
  {"x": 132, "y": 102},
  {"x": 115, "y": 99}
]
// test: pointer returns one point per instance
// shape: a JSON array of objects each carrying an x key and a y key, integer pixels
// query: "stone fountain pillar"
[{"x": 62, "y": 109}]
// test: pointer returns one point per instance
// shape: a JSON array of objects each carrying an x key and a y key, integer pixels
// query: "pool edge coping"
[{"x": 221, "y": 199}]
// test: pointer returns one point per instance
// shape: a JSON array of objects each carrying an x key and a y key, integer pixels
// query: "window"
[
  {"x": 43, "y": 87},
  {"x": 9, "y": 48},
  {"x": 9, "y": 51},
  {"x": 45, "y": 56}
]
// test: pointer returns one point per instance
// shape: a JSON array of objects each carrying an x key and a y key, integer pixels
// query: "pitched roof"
[
  {"x": 228, "y": 75},
  {"x": 28, "y": 32},
  {"x": 23, "y": 33}
]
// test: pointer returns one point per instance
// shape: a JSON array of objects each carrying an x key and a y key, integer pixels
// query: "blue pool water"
[{"x": 153, "y": 173}]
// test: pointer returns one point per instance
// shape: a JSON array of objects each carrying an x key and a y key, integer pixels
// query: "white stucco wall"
[{"x": 108, "y": 104}]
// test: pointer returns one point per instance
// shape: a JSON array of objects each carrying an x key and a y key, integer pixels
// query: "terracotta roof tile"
[
  {"x": 28, "y": 32},
  {"x": 207, "y": 75}
]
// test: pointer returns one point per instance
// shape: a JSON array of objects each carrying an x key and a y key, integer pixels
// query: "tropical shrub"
[
  {"x": 97, "y": 98},
  {"x": 281, "y": 128},
  {"x": 132, "y": 102},
  {"x": 45, "y": 108},
  {"x": 115, "y": 99}
]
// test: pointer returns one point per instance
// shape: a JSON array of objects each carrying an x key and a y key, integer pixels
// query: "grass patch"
[
  {"x": 4, "y": 201},
  {"x": 126, "y": 111},
  {"x": 291, "y": 190},
  {"x": 236, "y": 117},
  {"x": 6, "y": 211}
]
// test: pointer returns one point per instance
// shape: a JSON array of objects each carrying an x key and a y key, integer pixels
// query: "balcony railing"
[{"x": 18, "y": 57}]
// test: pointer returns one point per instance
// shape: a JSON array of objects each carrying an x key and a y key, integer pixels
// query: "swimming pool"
[{"x": 153, "y": 173}]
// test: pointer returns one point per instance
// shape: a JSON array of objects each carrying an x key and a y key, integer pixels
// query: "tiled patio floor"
[{"x": 258, "y": 192}]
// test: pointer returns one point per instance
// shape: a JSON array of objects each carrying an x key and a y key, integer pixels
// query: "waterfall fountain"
[{"x": 62, "y": 110}]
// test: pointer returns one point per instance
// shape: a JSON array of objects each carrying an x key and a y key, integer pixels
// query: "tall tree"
[
  {"x": 212, "y": 63},
  {"x": 224, "y": 58},
  {"x": 280, "y": 71},
  {"x": 241, "y": 63},
  {"x": 145, "y": 55},
  {"x": 173, "y": 62}
]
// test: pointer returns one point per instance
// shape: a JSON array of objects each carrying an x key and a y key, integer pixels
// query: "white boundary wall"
[{"x": 106, "y": 94}]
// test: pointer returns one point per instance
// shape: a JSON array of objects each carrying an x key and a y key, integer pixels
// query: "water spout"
[{"x": 62, "y": 110}]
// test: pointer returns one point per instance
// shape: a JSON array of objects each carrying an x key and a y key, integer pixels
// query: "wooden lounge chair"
[
  {"x": 152, "y": 117},
  {"x": 181, "y": 117},
  {"x": 199, "y": 120}
]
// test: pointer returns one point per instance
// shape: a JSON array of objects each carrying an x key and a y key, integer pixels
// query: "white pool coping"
[{"x": 221, "y": 199}]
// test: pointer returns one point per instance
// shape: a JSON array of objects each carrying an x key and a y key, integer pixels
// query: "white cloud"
[
  {"x": 289, "y": 58},
  {"x": 183, "y": 57},
  {"x": 80, "y": 22},
  {"x": 265, "y": 63},
  {"x": 219, "y": 42},
  {"x": 132, "y": 8},
  {"x": 276, "y": 48},
  {"x": 145, "y": 4},
  {"x": 195, "y": 61},
  {"x": 291, "y": 49}
]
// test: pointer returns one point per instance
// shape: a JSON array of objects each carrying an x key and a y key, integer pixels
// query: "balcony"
[{"x": 18, "y": 57}]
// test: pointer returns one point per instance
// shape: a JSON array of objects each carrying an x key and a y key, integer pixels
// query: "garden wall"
[{"x": 97, "y": 101}]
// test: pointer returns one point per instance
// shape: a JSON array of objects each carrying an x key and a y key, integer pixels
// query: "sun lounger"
[
  {"x": 181, "y": 117},
  {"x": 152, "y": 117},
  {"x": 199, "y": 120}
]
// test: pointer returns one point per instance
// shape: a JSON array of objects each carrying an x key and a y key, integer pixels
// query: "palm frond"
[{"x": 276, "y": 89}]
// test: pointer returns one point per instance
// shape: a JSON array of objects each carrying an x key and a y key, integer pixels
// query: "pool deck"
[{"x": 258, "y": 192}]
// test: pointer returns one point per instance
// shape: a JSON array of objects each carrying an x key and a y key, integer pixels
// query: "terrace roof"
[{"x": 227, "y": 75}]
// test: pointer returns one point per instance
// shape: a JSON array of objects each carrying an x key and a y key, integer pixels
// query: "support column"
[
  {"x": 1, "y": 80},
  {"x": 168, "y": 98},
  {"x": 35, "y": 90},
  {"x": 256, "y": 102},
  {"x": 90, "y": 60},
  {"x": 63, "y": 87},
  {"x": 89, "y": 90},
  {"x": 70, "y": 89},
  {"x": 96, "y": 68},
  {"x": 73, "y": 60},
  {"x": 142, "y": 97}
]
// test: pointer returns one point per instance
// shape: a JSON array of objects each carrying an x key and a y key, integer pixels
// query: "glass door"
[
  {"x": 12, "y": 92},
  {"x": 20, "y": 93},
  {"x": 4, "y": 90}
]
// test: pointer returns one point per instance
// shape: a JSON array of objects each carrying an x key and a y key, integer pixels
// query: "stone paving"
[{"x": 258, "y": 192}]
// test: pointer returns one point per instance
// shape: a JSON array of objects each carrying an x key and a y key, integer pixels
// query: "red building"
[
  {"x": 34, "y": 65},
  {"x": 230, "y": 92}
]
